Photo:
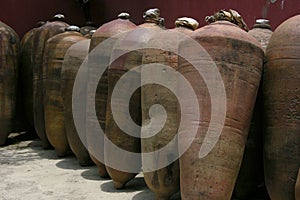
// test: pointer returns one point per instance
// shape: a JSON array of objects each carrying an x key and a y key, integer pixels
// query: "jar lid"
[
  {"x": 152, "y": 13},
  {"x": 153, "y": 16},
  {"x": 231, "y": 16},
  {"x": 187, "y": 23}
]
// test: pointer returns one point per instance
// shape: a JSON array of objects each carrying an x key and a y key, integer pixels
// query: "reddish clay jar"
[
  {"x": 281, "y": 95},
  {"x": 164, "y": 182},
  {"x": 96, "y": 150},
  {"x": 239, "y": 59},
  {"x": 251, "y": 175}
]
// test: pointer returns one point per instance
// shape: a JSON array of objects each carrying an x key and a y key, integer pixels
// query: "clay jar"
[
  {"x": 73, "y": 59},
  {"x": 55, "y": 50},
  {"x": 107, "y": 30},
  {"x": 40, "y": 38},
  {"x": 164, "y": 182},
  {"x": 9, "y": 60},
  {"x": 211, "y": 174},
  {"x": 251, "y": 173},
  {"x": 281, "y": 95},
  {"x": 26, "y": 75}
]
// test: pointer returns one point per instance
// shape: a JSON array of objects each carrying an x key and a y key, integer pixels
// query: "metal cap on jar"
[
  {"x": 187, "y": 23},
  {"x": 59, "y": 17},
  {"x": 262, "y": 23},
  {"x": 73, "y": 28},
  {"x": 124, "y": 15}
]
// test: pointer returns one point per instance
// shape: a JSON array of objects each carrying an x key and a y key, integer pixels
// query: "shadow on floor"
[
  {"x": 15, "y": 138},
  {"x": 92, "y": 174},
  {"x": 146, "y": 194},
  {"x": 70, "y": 162},
  {"x": 137, "y": 184}
]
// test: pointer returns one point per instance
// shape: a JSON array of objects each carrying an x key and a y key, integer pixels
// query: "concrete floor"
[{"x": 28, "y": 172}]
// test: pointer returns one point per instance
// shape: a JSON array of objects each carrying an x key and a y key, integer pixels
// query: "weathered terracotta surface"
[
  {"x": 251, "y": 172},
  {"x": 239, "y": 59},
  {"x": 282, "y": 110},
  {"x": 97, "y": 150},
  {"x": 40, "y": 38},
  {"x": 9, "y": 60},
  {"x": 74, "y": 57},
  {"x": 165, "y": 181},
  {"x": 55, "y": 50}
]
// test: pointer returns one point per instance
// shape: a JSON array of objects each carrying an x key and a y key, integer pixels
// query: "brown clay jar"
[
  {"x": 73, "y": 59},
  {"x": 55, "y": 50},
  {"x": 9, "y": 60},
  {"x": 40, "y": 38}
]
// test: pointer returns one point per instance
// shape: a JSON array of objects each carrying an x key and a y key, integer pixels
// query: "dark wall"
[
  {"x": 277, "y": 12},
  {"x": 22, "y": 15}
]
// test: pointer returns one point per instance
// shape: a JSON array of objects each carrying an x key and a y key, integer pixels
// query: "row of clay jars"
[
  {"x": 28, "y": 60},
  {"x": 211, "y": 174},
  {"x": 116, "y": 179},
  {"x": 116, "y": 174},
  {"x": 139, "y": 37},
  {"x": 251, "y": 176},
  {"x": 9, "y": 45},
  {"x": 54, "y": 53},
  {"x": 281, "y": 96}
]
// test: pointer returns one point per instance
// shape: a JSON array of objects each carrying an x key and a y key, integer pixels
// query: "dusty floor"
[{"x": 28, "y": 172}]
